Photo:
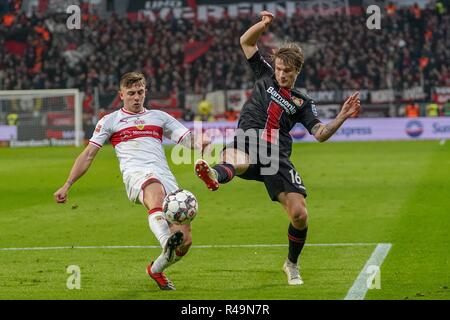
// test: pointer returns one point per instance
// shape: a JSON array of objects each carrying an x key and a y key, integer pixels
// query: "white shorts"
[{"x": 136, "y": 181}]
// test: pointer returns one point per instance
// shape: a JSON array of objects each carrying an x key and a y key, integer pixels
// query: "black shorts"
[{"x": 285, "y": 179}]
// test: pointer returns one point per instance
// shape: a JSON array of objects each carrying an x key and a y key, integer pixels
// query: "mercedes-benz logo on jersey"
[
  {"x": 124, "y": 135},
  {"x": 414, "y": 128}
]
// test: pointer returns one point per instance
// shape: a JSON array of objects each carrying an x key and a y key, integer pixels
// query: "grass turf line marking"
[
  {"x": 359, "y": 289},
  {"x": 194, "y": 247}
]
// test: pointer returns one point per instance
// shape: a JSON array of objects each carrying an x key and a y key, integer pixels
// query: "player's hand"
[
  {"x": 351, "y": 107},
  {"x": 266, "y": 17},
  {"x": 61, "y": 195},
  {"x": 200, "y": 141}
]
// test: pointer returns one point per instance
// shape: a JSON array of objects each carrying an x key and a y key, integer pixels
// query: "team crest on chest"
[{"x": 140, "y": 124}]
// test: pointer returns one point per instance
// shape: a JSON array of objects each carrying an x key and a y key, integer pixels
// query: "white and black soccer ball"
[{"x": 180, "y": 207}]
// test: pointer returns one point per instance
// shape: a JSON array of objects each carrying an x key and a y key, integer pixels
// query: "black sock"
[
  {"x": 297, "y": 240},
  {"x": 225, "y": 172}
]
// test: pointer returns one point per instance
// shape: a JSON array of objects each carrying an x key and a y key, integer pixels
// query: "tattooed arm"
[{"x": 322, "y": 132}]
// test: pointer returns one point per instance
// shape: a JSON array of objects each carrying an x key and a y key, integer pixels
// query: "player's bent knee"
[{"x": 298, "y": 214}]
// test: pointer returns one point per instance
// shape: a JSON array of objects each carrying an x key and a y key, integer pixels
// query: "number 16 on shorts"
[{"x": 295, "y": 177}]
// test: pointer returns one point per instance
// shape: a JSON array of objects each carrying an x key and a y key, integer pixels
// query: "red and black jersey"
[{"x": 272, "y": 108}]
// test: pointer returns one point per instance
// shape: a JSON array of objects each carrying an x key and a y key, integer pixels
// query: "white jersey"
[{"x": 137, "y": 140}]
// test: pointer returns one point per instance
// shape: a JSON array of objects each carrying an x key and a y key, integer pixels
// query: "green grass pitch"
[{"x": 372, "y": 192}]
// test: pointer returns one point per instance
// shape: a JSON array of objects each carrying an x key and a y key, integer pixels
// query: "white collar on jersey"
[{"x": 132, "y": 113}]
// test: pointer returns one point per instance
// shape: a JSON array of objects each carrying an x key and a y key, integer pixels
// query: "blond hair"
[
  {"x": 291, "y": 54},
  {"x": 130, "y": 78}
]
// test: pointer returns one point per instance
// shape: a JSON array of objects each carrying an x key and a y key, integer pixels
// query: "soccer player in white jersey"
[{"x": 136, "y": 134}]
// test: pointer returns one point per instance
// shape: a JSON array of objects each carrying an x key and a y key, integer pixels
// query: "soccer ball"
[{"x": 180, "y": 207}]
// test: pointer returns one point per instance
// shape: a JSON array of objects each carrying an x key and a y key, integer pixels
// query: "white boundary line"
[
  {"x": 197, "y": 246},
  {"x": 359, "y": 289}
]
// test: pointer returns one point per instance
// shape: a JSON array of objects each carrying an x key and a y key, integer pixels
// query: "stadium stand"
[{"x": 182, "y": 57}]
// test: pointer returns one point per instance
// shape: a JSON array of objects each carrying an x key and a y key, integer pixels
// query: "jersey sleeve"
[
  {"x": 101, "y": 133},
  {"x": 261, "y": 68},
  {"x": 173, "y": 129},
  {"x": 308, "y": 115}
]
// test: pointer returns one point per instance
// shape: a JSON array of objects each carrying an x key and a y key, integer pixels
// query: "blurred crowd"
[{"x": 410, "y": 49}]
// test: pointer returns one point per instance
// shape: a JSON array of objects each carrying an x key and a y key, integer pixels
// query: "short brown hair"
[
  {"x": 130, "y": 78},
  {"x": 291, "y": 54}
]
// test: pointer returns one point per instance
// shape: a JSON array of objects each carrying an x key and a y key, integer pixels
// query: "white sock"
[
  {"x": 160, "y": 264},
  {"x": 159, "y": 227}
]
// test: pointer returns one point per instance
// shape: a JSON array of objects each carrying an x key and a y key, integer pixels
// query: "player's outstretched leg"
[
  {"x": 220, "y": 173},
  {"x": 165, "y": 259},
  {"x": 152, "y": 196},
  {"x": 175, "y": 240}
]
